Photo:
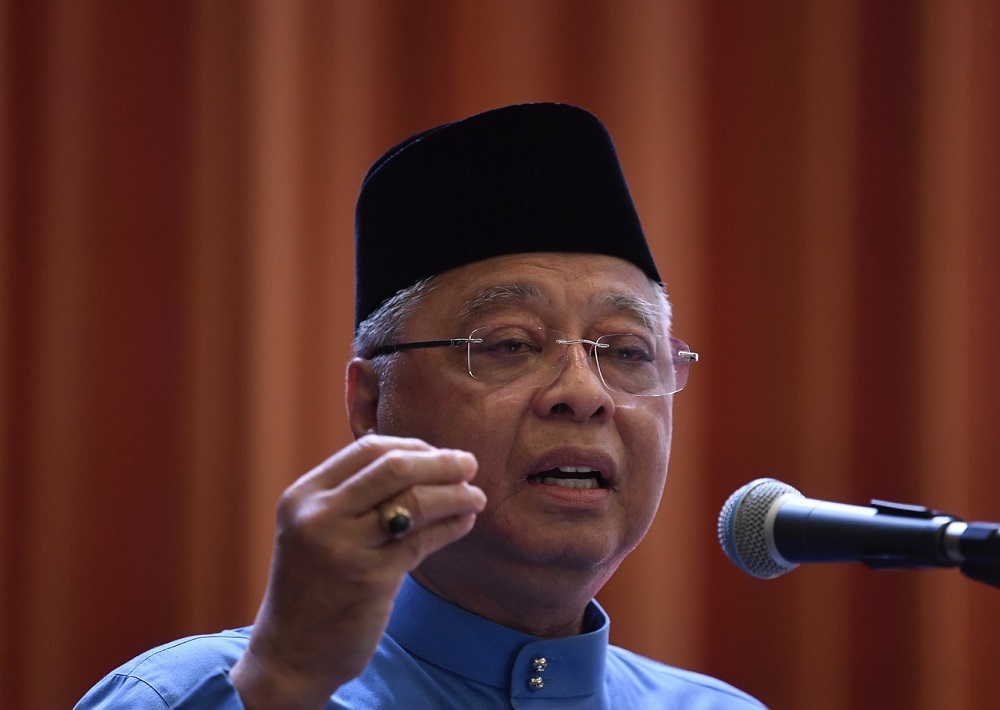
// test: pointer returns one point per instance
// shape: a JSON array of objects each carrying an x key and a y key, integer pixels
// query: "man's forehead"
[
  {"x": 649, "y": 307},
  {"x": 532, "y": 294},
  {"x": 498, "y": 297}
]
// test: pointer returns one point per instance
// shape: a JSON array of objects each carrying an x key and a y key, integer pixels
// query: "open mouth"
[{"x": 577, "y": 477}]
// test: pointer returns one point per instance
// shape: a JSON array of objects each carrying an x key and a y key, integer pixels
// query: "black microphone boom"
[{"x": 767, "y": 528}]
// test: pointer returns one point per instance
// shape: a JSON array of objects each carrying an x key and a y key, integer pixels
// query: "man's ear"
[{"x": 362, "y": 397}]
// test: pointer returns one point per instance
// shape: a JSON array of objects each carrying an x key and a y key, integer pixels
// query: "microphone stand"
[
  {"x": 989, "y": 574},
  {"x": 973, "y": 547},
  {"x": 980, "y": 547}
]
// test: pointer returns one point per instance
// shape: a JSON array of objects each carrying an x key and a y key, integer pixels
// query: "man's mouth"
[{"x": 577, "y": 477}]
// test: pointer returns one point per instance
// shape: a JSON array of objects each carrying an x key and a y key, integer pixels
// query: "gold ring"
[{"x": 395, "y": 521}]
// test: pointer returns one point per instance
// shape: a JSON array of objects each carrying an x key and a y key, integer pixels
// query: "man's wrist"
[{"x": 265, "y": 686}]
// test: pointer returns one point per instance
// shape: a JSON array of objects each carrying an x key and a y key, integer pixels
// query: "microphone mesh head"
[{"x": 742, "y": 527}]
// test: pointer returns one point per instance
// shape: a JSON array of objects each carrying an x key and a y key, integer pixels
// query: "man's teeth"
[
  {"x": 587, "y": 481},
  {"x": 578, "y": 483}
]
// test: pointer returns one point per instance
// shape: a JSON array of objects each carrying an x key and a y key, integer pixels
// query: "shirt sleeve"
[
  {"x": 127, "y": 692},
  {"x": 188, "y": 673}
]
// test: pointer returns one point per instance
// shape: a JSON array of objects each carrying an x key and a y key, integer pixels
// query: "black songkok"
[{"x": 528, "y": 178}]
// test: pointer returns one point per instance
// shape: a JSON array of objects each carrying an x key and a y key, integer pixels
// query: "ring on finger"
[{"x": 395, "y": 520}]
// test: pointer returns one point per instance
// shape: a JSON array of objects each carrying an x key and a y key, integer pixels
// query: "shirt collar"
[{"x": 474, "y": 647}]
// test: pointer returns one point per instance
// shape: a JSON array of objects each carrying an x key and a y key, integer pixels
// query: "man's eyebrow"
[
  {"x": 497, "y": 296},
  {"x": 650, "y": 314}
]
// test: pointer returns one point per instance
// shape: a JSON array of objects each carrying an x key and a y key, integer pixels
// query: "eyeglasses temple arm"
[{"x": 450, "y": 343}]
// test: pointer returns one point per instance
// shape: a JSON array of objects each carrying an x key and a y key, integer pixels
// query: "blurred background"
[{"x": 819, "y": 181}]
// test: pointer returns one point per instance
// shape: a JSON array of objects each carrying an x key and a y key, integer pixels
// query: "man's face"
[{"x": 528, "y": 441}]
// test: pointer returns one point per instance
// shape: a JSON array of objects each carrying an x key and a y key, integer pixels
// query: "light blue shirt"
[{"x": 434, "y": 655}]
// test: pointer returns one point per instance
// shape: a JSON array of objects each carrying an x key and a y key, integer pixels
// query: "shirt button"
[
  {"x": 539, "y": 664},
  {"x": 536, "y": 683}
]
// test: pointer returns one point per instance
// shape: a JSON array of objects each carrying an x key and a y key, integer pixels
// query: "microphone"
[{"x": 767, "y": 528}]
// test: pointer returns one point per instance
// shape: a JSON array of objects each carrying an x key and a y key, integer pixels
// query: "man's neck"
[{"x": 543, "y": 605}]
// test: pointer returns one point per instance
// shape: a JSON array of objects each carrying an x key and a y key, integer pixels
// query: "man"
[{"x": 511, "y": 399}]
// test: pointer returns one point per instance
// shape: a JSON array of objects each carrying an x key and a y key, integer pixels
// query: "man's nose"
[
  {"x": 577, "y": 390},
  {"x": 576, "y": 354}
]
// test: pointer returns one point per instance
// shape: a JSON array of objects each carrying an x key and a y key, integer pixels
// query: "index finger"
[
  {"x": 354, "y": 457},
  {"x": 398, "y": 471}
]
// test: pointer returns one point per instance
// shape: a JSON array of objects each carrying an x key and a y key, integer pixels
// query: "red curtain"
[{"x": 819, "y": 182}]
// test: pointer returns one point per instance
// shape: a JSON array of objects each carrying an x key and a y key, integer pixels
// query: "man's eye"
[
  {"x": 509, "y": 347},
  {"x": 631, "y": 355},
  {"x": 628, "y": 349}
]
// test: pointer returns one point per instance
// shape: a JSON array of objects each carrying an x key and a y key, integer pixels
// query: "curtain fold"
[{"x": 177, "y": 180}]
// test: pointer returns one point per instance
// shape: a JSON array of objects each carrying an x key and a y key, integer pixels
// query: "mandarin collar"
[{"x": 527, "y": 667}]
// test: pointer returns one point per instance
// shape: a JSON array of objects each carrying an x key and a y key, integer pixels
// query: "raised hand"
[{"x": 336, "y": 569}]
